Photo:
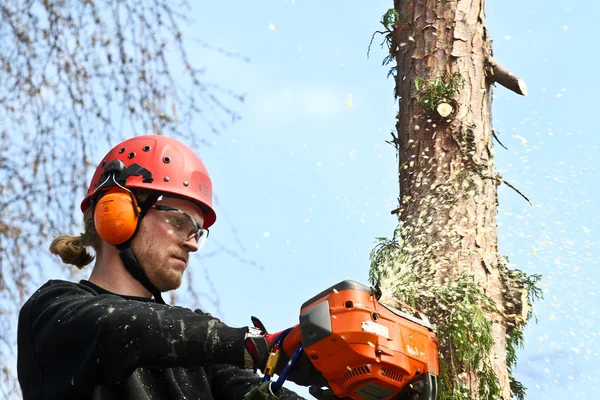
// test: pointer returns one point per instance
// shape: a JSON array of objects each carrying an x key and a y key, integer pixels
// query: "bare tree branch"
[
  {"x": 503, "y": 76},
  {"x": 74, "y": 76}
]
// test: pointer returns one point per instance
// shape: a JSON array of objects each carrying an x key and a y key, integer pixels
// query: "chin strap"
[
  {"x": 120, "y": 173},
  {"x": 129, "y": 259},
  {"x": 135, "y": 269}
]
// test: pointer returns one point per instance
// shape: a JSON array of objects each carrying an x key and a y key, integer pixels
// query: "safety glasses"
[{"x": 182, "y": 224}]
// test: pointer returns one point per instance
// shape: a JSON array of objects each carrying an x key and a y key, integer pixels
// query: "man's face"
[{"x": 162, "y": 254}]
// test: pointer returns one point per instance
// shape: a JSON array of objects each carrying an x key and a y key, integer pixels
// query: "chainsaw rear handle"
[{"x": 429, "y": 387}]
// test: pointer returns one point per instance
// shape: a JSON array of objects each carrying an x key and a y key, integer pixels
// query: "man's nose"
[{"x": 191, "y": 245}]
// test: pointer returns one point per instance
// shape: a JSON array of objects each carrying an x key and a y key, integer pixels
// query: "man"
[{"x": 148, "y": 207}]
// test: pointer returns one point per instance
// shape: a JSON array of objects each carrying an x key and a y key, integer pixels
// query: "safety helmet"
[{"x": 170, "y": 167}]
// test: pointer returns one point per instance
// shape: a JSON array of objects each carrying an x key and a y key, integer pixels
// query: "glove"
[
  {"x": 262, "y": 392},
  {"x": 258, "y": 345},
  {"x": 304, "y": 372}
]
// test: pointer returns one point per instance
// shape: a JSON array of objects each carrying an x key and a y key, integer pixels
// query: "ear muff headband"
[{"x": 116, "y": 215}]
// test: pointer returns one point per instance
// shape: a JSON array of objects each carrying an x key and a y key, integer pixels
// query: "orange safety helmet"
[{"x": 175, "y": 170}]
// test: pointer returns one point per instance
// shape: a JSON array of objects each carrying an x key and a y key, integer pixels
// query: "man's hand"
[
  {"x": 303, "y": 373},
  {"x": 271, "y": 338},
  {"x": 262, "y": 392},
  {"x": 256, "y": 352},
  {"x": 259, "y": 344}
]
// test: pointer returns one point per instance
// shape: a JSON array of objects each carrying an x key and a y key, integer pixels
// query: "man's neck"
[{"x": 110, "y": 274}]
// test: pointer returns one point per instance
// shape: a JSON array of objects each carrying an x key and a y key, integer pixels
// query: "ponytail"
[{"x": 74, "y": 249}]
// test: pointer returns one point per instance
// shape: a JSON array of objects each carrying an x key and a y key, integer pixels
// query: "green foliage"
[
  {"x": 444, "y": 378},
  {"x": 534, "y": 292},
  {"x": 489, "y": 386},
  {"x": 515, "y": 337},
  {"x": 390, "y": 21},
  {"x": 514, "y": 341},
  {"x": 518, "y": 390},
  {"x": 383, "y": 251},
  {"x": 451, "y": 387},
  {"x": 390, "y": 18},
  {"x": 467, "y": 324},
  {"x": 463, "y": 327},
  {"x": 433, "y": 91},
  {"x": 459, "y": 311}
]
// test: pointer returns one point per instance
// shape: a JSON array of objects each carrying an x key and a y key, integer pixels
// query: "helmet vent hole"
[
  {"x": 103, "y": 163},
  {"x": 131, "y": 155},
  {"x": 186, "y": 183},
  {"x": 122, "y": 150},
  {"x": 166, "y": 179},
  {"x": 166, "y": 160},
  {"x": 146, "y": 148},
  {"x": 349, "y": 304}
]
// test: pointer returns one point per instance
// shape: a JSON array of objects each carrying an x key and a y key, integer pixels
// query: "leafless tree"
[{"x": 75, "y": 75}]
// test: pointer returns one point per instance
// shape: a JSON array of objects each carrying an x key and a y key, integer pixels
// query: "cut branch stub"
[
  {"x": 503, "y": 76},
  {"x": 444, "y": 109}
]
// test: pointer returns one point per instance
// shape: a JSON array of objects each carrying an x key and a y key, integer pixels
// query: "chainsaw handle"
[
  {"x": 288, "y": 368},
  {"x": 430, "y": 387}
]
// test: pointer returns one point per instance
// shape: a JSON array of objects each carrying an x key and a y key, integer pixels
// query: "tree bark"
[{"x": 448, "y": 183}]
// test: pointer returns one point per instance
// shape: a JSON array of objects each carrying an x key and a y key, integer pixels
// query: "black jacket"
[{"x": 79, "y": 341}]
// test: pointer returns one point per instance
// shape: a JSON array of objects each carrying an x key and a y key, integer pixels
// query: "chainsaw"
[{"x": 365, "y": 349}]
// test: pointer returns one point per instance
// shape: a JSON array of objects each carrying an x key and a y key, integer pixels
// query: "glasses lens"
[
  {"x": 201, "y": 237},
  {"x": 182, "y": 225}
]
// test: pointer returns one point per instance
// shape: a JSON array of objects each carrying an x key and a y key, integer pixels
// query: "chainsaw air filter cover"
[{"x": 367, "y": 350}]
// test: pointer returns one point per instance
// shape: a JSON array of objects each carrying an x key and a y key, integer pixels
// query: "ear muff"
[{"x": 116, "y": 216}]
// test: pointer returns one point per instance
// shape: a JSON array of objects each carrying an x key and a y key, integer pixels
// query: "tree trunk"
[{"x": 448, "y": 186}]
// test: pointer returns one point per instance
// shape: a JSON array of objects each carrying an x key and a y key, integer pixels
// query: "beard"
[{"x": 156, "y": 259}]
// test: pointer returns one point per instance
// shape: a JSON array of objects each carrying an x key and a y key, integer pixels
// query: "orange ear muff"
[{"x": 116, "y": 216}]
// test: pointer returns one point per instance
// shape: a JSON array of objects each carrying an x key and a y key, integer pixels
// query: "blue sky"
[
  {"x": 309, "y": 182},
  {"x": 305, "y": 181}
]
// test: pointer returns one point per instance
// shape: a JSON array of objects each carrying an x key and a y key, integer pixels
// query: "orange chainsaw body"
[{"x": 367, "y": 350}]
